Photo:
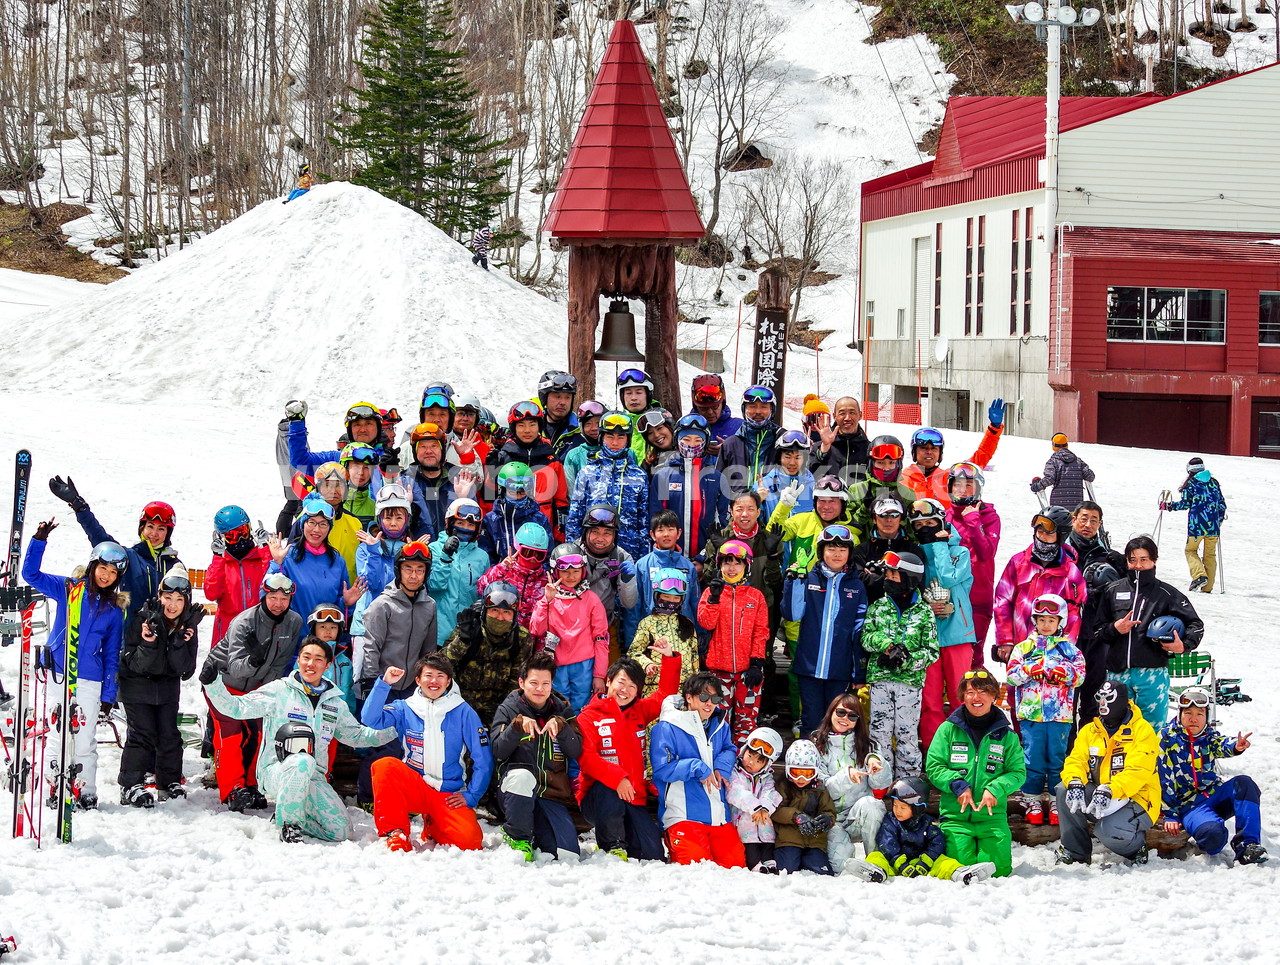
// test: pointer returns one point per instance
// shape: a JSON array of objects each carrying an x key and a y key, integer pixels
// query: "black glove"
[
  {"x": 390, "y": 460},
  {"x": 754, "y": 675},
  {"x": 65, "y": 490},
  {"x": 715, "y": 588},
  {"x": 899, "y": 654},
  {"x": 821, "y": 823},
  {"x": 104, "y": 708},
  {"x": 876, "y": 567},
  {"x": 208, "y": 672},
  {"x": 450, "y": 547},
  {"x": 257, "y": 658},
  {"x": 44, "y": 529}
]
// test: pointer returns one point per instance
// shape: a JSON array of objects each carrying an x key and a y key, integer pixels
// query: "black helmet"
[
  {"x": 889, "y": 447},
  {"x": 295, "y": 737},
  {"x": 556, "y": 381},
  {"x": 912, "y": 791},
  {"x": 909, "y": 565},
  {"x": 1099, "y": 574},
  {"x": 1061, "y": 520}
]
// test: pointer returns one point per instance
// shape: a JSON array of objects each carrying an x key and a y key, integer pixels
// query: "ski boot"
[
  {"x": 291, "y": 834},
  {"x": 974, "y": 872},
  {"x": 867, "y": 871},
  {"x": 397, "y": 840},
  {"x": 515, "y": 844},
  {"x": 1251, "y": 853},
  {"x": 137, "y": 796}
]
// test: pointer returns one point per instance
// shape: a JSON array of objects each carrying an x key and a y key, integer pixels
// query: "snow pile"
[
  {"x": 24, "y": 292},
  {"x": 342, "y": 291}
]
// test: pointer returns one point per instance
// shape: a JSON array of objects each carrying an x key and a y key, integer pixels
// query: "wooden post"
[
  {"x": 769, "y": 361},
  {"x": 661, "y": 314},
  {"x": 584, "y": 316}
]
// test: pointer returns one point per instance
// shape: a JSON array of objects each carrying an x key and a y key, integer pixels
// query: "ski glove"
[
  {"x": 995, "y": 414},
  {"x": 914, "y": 869},
  {"x": 754, "y": 675},
  {"x": 612, "y": 568},
  {"x": 44, "y": 529},
  {"x": 791, "y": 495},
  {"x": 450, "y": 547},
  {"x": 219, "y": 544},
  {"x": 628, "y": 570},
  {"x": 1101, "y": 801},
  {"x": 104, "y": 708},
  {"x": 714, "y": 589},
  {"x": 65, "y": 490},
  {"x": 552, "y": 641},
  {"x": 1035, "y": 485},
  {"x": 797, "y": 571},
  {"x": 390, "y": 461},
  {"x": 895, "y": 658},
  {"x": 1075, "y": 796},
  {"x": 260, "y": 535},
  {"x": 295, "y": 411}
]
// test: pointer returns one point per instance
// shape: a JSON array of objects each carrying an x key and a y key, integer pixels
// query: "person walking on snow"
[
  {"x": 1206, "y": 508},
  {"x": 1066, "y": 473},
  {"x": 480, "y": 245}
]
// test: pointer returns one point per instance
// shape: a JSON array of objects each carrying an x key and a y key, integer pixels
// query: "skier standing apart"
[
  {"x": 480, "y": 245},
  {"x": 1206, "y": 508},
  {"x": 1066, "y": 473},
  {"x": 301, "y": 714}
]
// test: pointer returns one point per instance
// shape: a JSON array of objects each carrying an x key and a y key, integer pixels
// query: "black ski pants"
[{"x": 153, "y": 737}]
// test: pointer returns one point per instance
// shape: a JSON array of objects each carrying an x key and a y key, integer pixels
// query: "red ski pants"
[
  {"x": 743, "y": 704},
  {"x": 235, "y": 750},
  {"x": 689, "y": 841},
  {"x": 399, "y": 791},
  {"x": 942, "y": 686}
]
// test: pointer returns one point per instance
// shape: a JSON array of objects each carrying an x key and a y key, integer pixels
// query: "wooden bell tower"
[{"x": 622, "y": 206}]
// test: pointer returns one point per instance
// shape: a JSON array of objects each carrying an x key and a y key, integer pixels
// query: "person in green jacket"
[{"x": 976, "y": 761}]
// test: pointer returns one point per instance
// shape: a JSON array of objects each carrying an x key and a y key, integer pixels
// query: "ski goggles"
[
  {"x": 836, "y": 533},
  {"x": 707, "y": 394},
  {"x": 762, "y": 747},
  {"x": 426, "y": 430},
  {"x": 591, "y": 409},
  {"x": 1194, "y": 697},
  {"x": 570, "y": 561},
  {"x": 1044, "y": 524},
  {"x": 175, "y": 584},
  {"x": 501, "y": 599},
  {"x": 759, "y": 393},
  {"x": 517, "y": 484},
  {"x": 829, "y": 487},
  {"x": 316, "y": 509},
  {"x": 158, "y": 512},
  {"x": 417, "y": 551},
  {"x": 468, "y": 513},
  {"x": 364, "y": 454},
  {"x": 524, "y": 410},
  {"x": 363, "y": 410},
  {"x": 1044, "y": 608},
  {"x": 600, "y": 516},
  {"x": 391, "y": 417},
  {"x": 671, "y": 584},
  {"x": 436, "y": 400},
  {"x": 806, "y": 773},
  {"x": 886, "y": 450},
  {"x": 327, "y": 613},
  {"x": 652, "y": 419},
  {"x": 112, "y": 555},
  {"x": 928, "y": 437},
  {"x": 965, "y": 470},
  {"x": 562, "y": 383},
  {"x": 895, "y": 562},
  {"x": 735, "y": 550},
  {"x": 632, "y": 377},
  {"x": 278, "y": 583},
  {"x": 532, "y": 554},
  {"x": 237, "y": 535},
  {"x": 792, "y": 441},
  {"x": 615, "y": 422}
]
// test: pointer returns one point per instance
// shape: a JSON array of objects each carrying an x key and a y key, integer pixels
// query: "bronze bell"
[{"x": 618, "y": 339}]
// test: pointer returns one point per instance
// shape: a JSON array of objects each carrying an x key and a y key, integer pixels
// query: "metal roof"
[{"x": 1163, "y": 245}]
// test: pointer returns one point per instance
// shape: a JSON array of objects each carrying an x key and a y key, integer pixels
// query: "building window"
[
  {"x": 1015, "y": 275},
  {"x": 1269, "y": 318},
  {"x": 981, "y": 281},
  {"x": 1196, "y": 315},
  {"x": 1027, "y": 235},
  {"x": 902, "y": 323},
  {"x": 968, "y": 277},
  {"x": 937, "y": 279},
  {"x": 871, "y": 319}
]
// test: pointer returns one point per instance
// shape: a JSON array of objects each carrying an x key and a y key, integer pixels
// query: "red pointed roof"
[{"x": 623, "y": 180}]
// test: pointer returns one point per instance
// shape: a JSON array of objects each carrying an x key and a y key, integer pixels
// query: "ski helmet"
[
  {"x": 1058, "y": 517},
  {"x": 886, "y": 447},
  {"x": 970, "y": 471},
  {"x": 910, "y": 568},
  {"x": 528, "y": 409},
  {"x": 1050, "y": 604},
  {"x": 650, "y": 419},
  {"x": 671, "y": 580},
  {"x": 228, "y": 518},
  {"x": 1098, "y": 574},
  {"x": 567, "y": 556},
  {"x": 157, "y": 512},
  {"x": 176, "y": 580},
  {"x": 363, "y": 410},
  {"x": 556, "y": 381},
  {"x": 615, "y": 422},
  {"x": 888, "y": 504},
  {"x": 360, "y": 452},
  {"x": 793, "y": 440},
  {"x": 830, "y": 487},
  {"x": 765, "y": 742},
  {"x": 331, "y": 470},
  {"x": 304, "y": 168},
  {"x": 1162, "y": 629},
  {"x": 515, "y": 477},
  {"x": 109, "y": 554},
  {"x": 416, "y": 551},
  {"x": 911, "y": 791},
  {"x": 628, "y": 378},
  {"x": 438, "y": 388},
  {"x": 735, "y": 549},
  {"x": 924, "y": 510},
  {"x": 392, "y": 496},
  {"x": 500, "y": 595},
  {"x": 803, "y": 755},
  {"x": 926, "y": 436},
  {"x": 465, "y": 400},
  {"x": 836, "y": 534},
  {"x": 327, "y": 613},
  {"x": 600, "y": 514},
  {"x": 589, "y": 409},
  {"x": 295, "y": 737},
  {"x": 462, "y": 508},
  {"x": 437, "y": 395},
  {"x": 759, "y": 393},
  {"x": 533, "y": 537},
  {"x": 314, "y": 507},
  {"x": 692, "y": 424}
]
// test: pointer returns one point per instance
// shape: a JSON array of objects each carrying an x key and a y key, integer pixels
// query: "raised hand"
[
  {"x": 45, "y": 528},
  {"x": 393, "y": 675}
]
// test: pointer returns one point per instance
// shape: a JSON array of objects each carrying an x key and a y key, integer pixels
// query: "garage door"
[{"x": 1196, "y": 424}]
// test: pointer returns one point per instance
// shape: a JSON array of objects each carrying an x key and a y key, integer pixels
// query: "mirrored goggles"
[
  {"x": 615, "y": 423},
  {"x": 632, "y": 377},
  {"x": 278, "y": 581},
  {"x": 652, "y": 419},
  {"x": 886, "y": 450},
  {"x": 759, "y": 393}
]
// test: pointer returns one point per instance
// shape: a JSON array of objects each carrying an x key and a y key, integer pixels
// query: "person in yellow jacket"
[{"x": 1110, "y": 780}]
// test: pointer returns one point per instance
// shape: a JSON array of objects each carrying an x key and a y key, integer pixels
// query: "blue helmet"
[
  {"x": 671, "y": 580},
  {"x": 533, "y": 536},
  {"x": 228, "y": 518},
  {"x": 1162, "y": 629}
]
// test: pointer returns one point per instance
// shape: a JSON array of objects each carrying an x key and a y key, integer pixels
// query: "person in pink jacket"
[
  {"x": 1048, "y": 565},
  {"x": 978, "y": 525},
  {"x": 572, "y": 619}
]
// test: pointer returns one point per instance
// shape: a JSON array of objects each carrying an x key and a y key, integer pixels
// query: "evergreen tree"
[{"x": 412, "y": 131}]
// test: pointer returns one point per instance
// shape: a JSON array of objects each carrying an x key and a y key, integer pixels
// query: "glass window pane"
[
  {"x": 1166, "y": 314},
  {"x": 1269, "y": 318},
  {"x": 1124, "y": 329},
  {"x": 1269, "y": 431},
  {"x": 1206, "y": 305},
  {"x": 1124, "y": 313},
  {"x": 1211, "y": 332}
]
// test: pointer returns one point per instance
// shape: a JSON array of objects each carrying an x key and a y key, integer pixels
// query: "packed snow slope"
[
  {"x": 281, "y": 302},
  {"x": 191, "y": 878},
  {"x": 24, "y": 292}
]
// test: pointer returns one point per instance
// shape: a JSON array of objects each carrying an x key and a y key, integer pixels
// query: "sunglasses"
[
  {"x": 363, "y": 411},
  {"x": 977, "y": 675},
  {"x": 590, "y": 409},
  {"x": 886, "y": 450},
  {"x": 278, "y": 582},
  {"x": 652, "y": 419},
  {"x": 615, "y": 423},
  {"x": 1192, "y": 699},
  {"x": 889, "y": 514},
  {"x": 845, "y": 712},
  {"x": 758, "y": 393},
  {"x": 715, "y": 700},
  {"x": 632, "y": 377}
]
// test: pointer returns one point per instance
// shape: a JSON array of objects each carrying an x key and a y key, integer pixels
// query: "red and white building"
[{"x": 1156, "y": 322}]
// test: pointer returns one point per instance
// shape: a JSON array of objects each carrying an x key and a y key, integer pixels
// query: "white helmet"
[
  {"x": 464, "y": 507},
  {"x": 764, "y": 741},
  {"x": 1050, "y": 604},
  {"x": 392, "y": 496},
  {"x": 465, "y": 400},
  {"x": 803, "y": 754}
]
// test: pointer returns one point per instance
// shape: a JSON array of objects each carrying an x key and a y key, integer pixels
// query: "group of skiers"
[{"x": 570, "y": 617}]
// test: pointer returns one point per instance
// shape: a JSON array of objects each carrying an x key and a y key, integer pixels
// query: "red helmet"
[{"x": 157, "y": 512}]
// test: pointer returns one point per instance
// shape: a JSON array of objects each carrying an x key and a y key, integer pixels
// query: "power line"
[{"x": 889, "y": 80}]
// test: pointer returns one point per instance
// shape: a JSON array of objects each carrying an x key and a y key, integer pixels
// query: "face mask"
[
  {"x": 496, "y": 627},
  {"x": 887, "y": 475},
  {"x": 1044, "y": 553},
  {"x": 464, "y": 536},
  {"x": 667, "y": 606},
  {"x": 1203, "y": 476},
  {"x": 1113, "y": 705},
  {"x": 690, "y": 451},
  {"x": 757, "y": 423},
  {"x": 241, "y": 548}
]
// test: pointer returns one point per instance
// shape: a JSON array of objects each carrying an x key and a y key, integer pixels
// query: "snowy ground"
[{"x": 191, "y": 877}]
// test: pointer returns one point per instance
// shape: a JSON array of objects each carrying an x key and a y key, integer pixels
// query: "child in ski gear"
[
  {"x": 513, "y": 509},
  {"x": 693, "y": 759},
  {"x": 978, "y": 525},
  {"x": 1201, "y": 496},
  {"x": 667, "y": 623},
  {"x": 738, "y": 617},
  {"x": 571, "y": 614},
  {"x": 488, "y": 648},
  {"x": 524, "y": 568},
  {"x": 855, "y": 774},
  {"x": 1110, "y": 781},
  {"x": 829, "y": 603},
  {"x": 295, "y": 779},
  {"x": 1046, "y": 566},
  {"x": 806, "y": 814},
  {"x": 305, "y": 181},
  {"x": 159, "y": 653},
  {"x": 239, "y": 563},
  {"x": 1045, "y": 669},
  {"x": 765, "y": 571},
  {"x": 458, "y": 562},
  {"x": 753, "y": 797},
  {"x": 689, "y": 485},
  {"x": 434, "y": 725},
  {"x": 975, "y": 761},
  {"x": 1193, "y": 796},
  {"x": 900, "y": 637},
  {"x": 910, "y": 845},
  {"x": 612, "y": 789},
  {"x": 90, "y": 607},
  {"x": 480, "y": 242},
  {"x": 1065, "y": 472},
  {"x": 1144, "y": 621},
  {"x": 532, "y": 736},
  {"x": 616, "y": 480},
  {"x": 664, "y": 531},
  {"x": 789, "y": 481},
  {"x": 747, "y": 454}
]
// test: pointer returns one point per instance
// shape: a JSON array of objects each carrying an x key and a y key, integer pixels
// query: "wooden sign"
[{"x": 773, "y": 308}]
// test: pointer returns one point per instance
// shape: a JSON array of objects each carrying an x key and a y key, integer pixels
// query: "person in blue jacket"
[
  {"x": 791, "y": 450},
  {"x": 437, "y": 730},
  {"x": 1201, "y": 496},
  {"x": 149, "y": 559},
  {"x": 457, "y": 565},
  {"x": 692, "y": 754},
  {"x": 615, "y": 478},
  {"x": 830, "y": 603},
  {"x": 748, "y": 454},
  {"x": 91, "y": 605},
  {"x": 513, "y": 507},
  {"x": 690, "y": 486},
  {"x": 317, "y": 570},
  {"x": 363, "y": 423}
]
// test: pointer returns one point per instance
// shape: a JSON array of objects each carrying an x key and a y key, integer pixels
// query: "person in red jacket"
[
  {"x": 611, "y": 788},
  {"x": 978, "y": 525},
  {"x": 738, "y": 617},
  {"x": 239, "y": 563}
]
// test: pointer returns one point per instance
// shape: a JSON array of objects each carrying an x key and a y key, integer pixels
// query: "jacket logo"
[{"x": 484, "y": 737}]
